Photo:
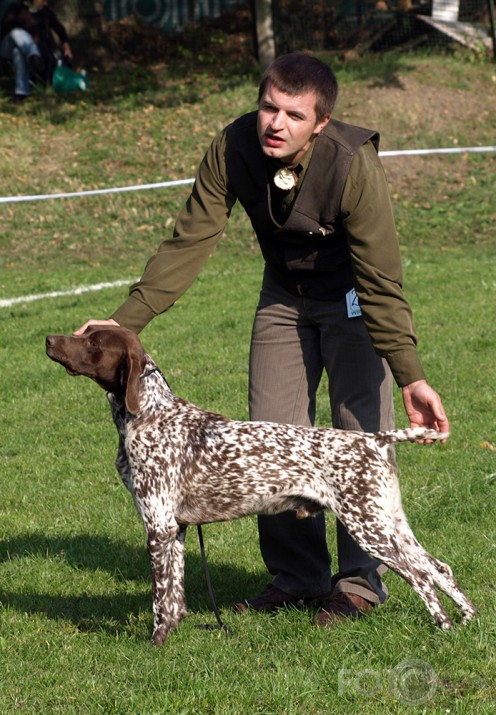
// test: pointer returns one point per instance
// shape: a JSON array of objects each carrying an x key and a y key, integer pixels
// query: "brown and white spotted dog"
[{"x": 186, "y": 466}]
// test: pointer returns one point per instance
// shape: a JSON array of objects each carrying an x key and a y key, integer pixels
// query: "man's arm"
[
  {"x": 61, "y": 33},
  {"x": 377, "y": 269},
  {"x": 376, "y": 259},
  {"x": 170, "y": 272}
]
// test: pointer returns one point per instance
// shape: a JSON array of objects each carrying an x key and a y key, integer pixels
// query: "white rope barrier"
[
  {"x": 9, "y": 302},
  {"x": 94, "y": 192},
  {"x": 182, "y": 182},
  {"x": 451, "y": 150}
]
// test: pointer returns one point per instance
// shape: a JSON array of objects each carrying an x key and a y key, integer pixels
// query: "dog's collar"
[{"x": 149, "y": 372}]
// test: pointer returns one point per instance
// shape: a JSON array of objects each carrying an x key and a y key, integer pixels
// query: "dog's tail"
[{"x": 416, "y": 434}]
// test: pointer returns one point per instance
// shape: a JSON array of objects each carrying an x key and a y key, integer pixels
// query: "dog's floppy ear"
[{"x": 133, "y": 382}]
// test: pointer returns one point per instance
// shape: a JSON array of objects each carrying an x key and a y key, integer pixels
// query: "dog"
[{"x": 184, "y": 465}]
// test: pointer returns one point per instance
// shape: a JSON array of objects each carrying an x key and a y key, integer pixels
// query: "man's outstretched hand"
[{"x": 424, "y": 407}]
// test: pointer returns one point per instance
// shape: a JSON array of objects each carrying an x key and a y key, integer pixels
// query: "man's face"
[{"x": 286, "y": 124}]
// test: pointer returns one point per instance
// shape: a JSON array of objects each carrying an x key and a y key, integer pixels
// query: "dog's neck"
[
  {"x": 149, "y": 370},
  {"x": 150, "y": 379}
]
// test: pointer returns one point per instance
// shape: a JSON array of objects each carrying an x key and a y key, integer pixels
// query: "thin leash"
[{"x": 220, "y": 623}]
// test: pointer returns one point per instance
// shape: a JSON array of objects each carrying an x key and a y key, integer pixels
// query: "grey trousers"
[{"x": 294, "y": 340}]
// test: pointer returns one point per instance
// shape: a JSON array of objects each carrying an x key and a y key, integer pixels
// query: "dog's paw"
[
  {"x": 444, "y": 622},
  {"x": 160, "y": 635}
]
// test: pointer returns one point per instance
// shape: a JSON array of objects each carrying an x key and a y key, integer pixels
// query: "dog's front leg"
[
  {"x": 122, "y": 465},
  {"x": 166, "y": 553}
]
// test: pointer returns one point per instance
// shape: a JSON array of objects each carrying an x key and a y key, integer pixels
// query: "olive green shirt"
[{"x": 372, "y": 239}]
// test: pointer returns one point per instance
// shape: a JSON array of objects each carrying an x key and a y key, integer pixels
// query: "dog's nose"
[{"x": 50, "y": 342}]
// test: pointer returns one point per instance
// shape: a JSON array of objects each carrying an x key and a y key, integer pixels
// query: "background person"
[
  {"x": 27, "y": 42},
  {"x": 48, "y": 26},
  {"x": 317, "y": 197}
]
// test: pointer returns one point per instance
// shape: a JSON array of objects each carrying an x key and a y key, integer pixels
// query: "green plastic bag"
[{"x": 66, "y": 80}]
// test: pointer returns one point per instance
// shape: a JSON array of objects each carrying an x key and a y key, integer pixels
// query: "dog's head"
[{"x": 111, "y": 356}]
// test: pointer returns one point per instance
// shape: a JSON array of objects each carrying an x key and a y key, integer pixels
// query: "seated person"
[{"x": 26, "y": 40}]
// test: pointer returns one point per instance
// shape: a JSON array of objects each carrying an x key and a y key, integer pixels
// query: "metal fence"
[
  {"x": 331, "y": 24},
  {"x": 380, "y": 24}
]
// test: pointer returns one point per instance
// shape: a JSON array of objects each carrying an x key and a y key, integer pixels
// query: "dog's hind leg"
[
  {"x": 379, "y": 525},
  {"x": 444, "y": 579},
  {"x": 419, "y": 575},
  {"x": 423, "y": 584},
  {"x": 381, "y": 540},
  {"x": 440, "y": 573}
]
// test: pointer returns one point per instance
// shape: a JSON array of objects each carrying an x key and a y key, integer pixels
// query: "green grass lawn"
[{"x": 75, "y": 593}]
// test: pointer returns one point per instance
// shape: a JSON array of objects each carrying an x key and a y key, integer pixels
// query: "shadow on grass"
[
  {"x": 135, "y": 87},
  {"x": 378, "y": 70},
  {"x": 185, "y": 82},
  {"x": 112, "y": 613}
]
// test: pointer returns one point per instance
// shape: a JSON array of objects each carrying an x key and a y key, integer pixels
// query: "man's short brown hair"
[{"x": 298, "y": 73}]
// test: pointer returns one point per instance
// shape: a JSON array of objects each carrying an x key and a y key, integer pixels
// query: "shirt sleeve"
[
  {"x": 57, "y": 27},
  {"x": 170, "y": 272},
  {"x": 375, "y": 254}
]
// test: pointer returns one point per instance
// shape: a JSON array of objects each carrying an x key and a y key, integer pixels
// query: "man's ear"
[
  {"x": 133, "y": 382},
  {"x": 321, "y": 124}
]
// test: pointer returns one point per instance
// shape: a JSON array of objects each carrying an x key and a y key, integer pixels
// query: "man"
[
  {"x": 26, "y": 41},
  {"x": 318, "y": 201}
]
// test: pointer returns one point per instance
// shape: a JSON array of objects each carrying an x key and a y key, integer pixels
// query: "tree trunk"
[{"x": 264, "y": 32}]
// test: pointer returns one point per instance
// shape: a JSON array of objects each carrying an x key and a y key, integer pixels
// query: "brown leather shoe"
[
  {"x": 273, "y": 598},
  {"x": 341, "y": 606}
]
